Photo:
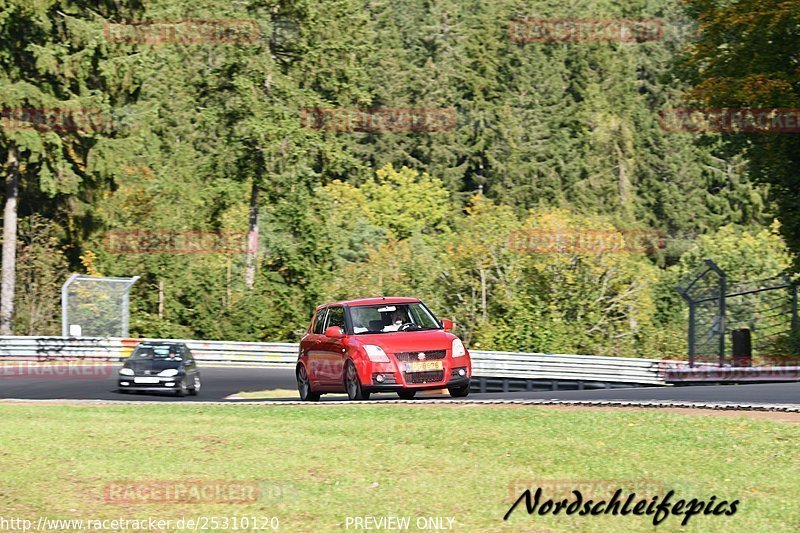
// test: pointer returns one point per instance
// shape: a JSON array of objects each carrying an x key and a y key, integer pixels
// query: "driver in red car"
[{"x": 397, "y": 320}]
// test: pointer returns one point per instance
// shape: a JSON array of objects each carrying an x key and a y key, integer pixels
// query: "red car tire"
[
  {"x": 352, "y": 383},
  {"x": 307, "y": 394}
]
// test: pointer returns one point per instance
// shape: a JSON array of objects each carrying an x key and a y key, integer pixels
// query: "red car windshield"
[{"x": 391, "y": 317}]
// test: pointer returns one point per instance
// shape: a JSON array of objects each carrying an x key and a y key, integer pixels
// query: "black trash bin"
[{"x": 742, "y": 348}]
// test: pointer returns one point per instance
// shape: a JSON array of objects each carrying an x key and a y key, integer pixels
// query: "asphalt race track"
[
  {"x": 218, "y": 383},
  {"x": 221, "y": 382},
  {"x": 761, "y": 393}
]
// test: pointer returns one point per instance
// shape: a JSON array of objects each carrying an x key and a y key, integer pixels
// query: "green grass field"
[{"x": 318, "y": 465}]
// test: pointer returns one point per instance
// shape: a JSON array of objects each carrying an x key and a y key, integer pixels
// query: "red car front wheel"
[{"x": 352, "y": 383}]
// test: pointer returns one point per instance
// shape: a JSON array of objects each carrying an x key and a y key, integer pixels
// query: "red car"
[{"x": 380, "y": 344}]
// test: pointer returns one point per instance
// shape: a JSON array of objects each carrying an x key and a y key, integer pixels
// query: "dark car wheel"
[
  {"x": 406, "y": 394},
  {"x": 459, "y": 392},
  {"x": 195, "y": 390},
  {"x": 352, "y": 384},
  {"x": 183, "y": 390},
  {"x": 304, "y": 386}
]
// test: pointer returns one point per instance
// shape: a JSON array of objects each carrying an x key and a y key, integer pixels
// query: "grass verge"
[{"x": 317, "y": 466}]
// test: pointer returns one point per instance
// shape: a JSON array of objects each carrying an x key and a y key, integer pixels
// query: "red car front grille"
[
  {"x": 425, "y": 377},
  {"x": 431, "y": 355}
]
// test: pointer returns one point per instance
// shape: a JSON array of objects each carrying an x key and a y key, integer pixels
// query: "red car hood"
[{"x": 408, "y": 341}]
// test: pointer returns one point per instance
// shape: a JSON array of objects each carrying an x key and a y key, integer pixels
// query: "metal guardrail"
[
  {"x": 680, "y": 372},
  {"x": 576, "y": 369},
  {"x": 116, "y": 349},
  {"x": 507, "y": 366},
  {"x": 494, "y": 370}
]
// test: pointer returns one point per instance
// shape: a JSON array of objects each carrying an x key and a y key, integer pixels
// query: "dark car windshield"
[
  {"x": 165, "y": 352},
  {"x": 392, "y": 317}
]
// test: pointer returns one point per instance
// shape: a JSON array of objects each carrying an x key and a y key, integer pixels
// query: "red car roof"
[{"x": 374, "y": 301}]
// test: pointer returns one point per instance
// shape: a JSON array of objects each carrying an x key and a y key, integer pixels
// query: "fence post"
[
  {"x": 795, "y": 334},
  {"x": 64, "y": 307},
  {"x": 723, "y": 291},
  {"x": 691, "y": 334},
  {"x": 795, "y": 324},
  {"x": 723, "y": 283}
]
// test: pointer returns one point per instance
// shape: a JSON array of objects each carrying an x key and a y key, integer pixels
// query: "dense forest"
[{"x": 560, "y": 138}]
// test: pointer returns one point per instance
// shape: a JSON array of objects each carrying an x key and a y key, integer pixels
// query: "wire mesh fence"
[
  {"x": 95, "y": 306},
  {"x": 766, "y": 309}
]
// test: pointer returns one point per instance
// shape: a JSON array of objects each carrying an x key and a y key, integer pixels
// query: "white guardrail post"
[{"x": 504, "y": 365}]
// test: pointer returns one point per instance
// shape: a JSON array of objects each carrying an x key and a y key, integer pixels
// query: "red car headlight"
[
  {"x": 458, "y": 349},
  {"x": 376, "y": 353}
]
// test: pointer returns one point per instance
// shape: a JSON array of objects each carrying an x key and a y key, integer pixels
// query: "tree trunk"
[
  {"x": 8, "y": 275},
  {"x": 252, "y": 236},
  {"x": 227, "y": 302},
  {"x": 484, "y": 314},
  {"x": 623, "y": 181},
  {"x": 161, "y": 299}
]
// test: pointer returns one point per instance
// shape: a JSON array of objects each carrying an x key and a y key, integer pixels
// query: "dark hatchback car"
[{"x": 160, "y": 367}]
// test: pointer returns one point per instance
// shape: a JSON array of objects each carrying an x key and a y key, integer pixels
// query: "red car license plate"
[{"x": 424, "y": 366}]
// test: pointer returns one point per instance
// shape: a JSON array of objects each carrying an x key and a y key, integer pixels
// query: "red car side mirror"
[
  {"x": 447, "y": 324},
  {"x": 334, "y": 332}
]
